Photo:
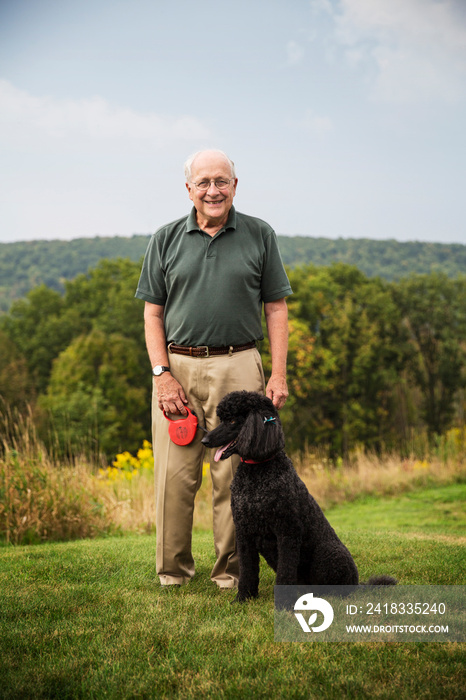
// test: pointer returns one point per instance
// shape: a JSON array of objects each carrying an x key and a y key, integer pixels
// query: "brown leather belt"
[{"x": 206, "y": 351}]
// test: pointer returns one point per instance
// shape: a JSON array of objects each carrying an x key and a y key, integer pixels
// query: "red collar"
[{"x": 253, "y": 461}]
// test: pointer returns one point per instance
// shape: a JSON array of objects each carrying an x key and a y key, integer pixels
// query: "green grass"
[
  {"x": 87, "y": 619},
  {"x": 437, "y": 511}
]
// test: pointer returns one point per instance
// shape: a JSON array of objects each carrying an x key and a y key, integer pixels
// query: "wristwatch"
[{"x": 159, "y": 369}]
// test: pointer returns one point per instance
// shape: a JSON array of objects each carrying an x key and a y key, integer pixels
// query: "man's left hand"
[{"x": 277, "y": 391}]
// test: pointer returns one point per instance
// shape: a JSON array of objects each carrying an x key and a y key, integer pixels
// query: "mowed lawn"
[
  {"x": 440, "y": 511},
  {"x": 87, "y": 619}
]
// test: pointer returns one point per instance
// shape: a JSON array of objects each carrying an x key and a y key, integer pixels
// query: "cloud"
[
  {"x": 295, "y": 53},
  {"x": 318, "y": 6},
  {"x": 25, "y": 115},
  {"x": 317, "y": 125},
  {"x": 415, "y": 48}
]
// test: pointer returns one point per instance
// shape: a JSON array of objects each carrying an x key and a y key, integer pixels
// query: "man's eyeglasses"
[{"x": 220, "y": 184}]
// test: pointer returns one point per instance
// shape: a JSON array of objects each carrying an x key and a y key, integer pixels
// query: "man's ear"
[{"x": 189, "y": 188}]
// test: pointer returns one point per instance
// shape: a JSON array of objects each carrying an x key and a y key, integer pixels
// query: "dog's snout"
[{"x": 205, "y": 440}]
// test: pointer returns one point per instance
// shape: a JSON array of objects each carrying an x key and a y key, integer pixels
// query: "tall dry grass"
[
  {"x": 42, "y": 500},
  {"x": 376, "y": 475}
]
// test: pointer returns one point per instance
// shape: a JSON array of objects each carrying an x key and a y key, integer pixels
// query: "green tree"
[
  {"x": 105, "y": 297},
  {"x": 343, "y": 361},
  {"x": 16, "y": 389},
  {"x": 40, "y": 329},
  {"x": 50, "y": 330},
  {"x": 433, "y": 310},
  {"x": 97, "y": 398}
]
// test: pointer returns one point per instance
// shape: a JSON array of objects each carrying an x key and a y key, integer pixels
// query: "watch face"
[{"x": 158, "y": 370}]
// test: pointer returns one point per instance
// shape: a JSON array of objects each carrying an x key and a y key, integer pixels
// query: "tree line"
[
  {"x": 26, "y": 265},
  {"x": 370, "y": 361}
]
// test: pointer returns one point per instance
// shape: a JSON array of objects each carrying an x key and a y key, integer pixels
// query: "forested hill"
[{"x": 27, "y": 264}]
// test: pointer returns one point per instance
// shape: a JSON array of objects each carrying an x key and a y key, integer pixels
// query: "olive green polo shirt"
[{"x": 212, "y": 288}]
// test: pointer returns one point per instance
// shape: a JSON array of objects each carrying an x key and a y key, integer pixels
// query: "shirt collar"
[{"x": 192, "y": 225}]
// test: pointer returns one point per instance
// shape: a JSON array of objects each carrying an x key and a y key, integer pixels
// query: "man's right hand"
[{"x": 170, "y": 394}]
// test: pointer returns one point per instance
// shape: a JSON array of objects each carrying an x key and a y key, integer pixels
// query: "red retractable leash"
[{"x": 183, "y": 430}]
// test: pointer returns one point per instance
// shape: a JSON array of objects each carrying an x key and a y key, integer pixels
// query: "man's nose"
[{"x": 212, "y": 184}]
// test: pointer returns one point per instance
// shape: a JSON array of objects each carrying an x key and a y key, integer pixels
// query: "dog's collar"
[{"x": 255, "y": 461}]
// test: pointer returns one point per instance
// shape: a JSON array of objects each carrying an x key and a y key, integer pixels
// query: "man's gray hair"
[{"x": 189, "y": 162}]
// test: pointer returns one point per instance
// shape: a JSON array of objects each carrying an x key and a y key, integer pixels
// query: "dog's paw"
[
  {"x": 240, "y": 599},
  {"x": 244, "y": 597}
]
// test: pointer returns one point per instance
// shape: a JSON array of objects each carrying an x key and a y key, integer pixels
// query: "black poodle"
[{"x": 273, "y": 512}]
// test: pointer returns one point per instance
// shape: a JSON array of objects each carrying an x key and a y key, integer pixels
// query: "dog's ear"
[{"x": 260, "y": 437}]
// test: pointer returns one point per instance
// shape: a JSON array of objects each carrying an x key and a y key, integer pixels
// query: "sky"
[{"x": 345, "y": 118}]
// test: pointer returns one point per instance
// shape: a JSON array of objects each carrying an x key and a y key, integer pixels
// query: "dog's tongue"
[{"x": 220, "y": 451}]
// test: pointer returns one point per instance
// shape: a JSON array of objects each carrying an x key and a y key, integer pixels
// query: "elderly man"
[{"x": 204, "y": 280}]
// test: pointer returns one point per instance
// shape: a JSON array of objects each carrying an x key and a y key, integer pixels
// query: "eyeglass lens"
[{"x": 220, "y": 184}]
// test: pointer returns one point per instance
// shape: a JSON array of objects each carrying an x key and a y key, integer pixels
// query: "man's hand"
[
  {"x": 277, "y": 391},
  {"x": 170, "y": 395}
]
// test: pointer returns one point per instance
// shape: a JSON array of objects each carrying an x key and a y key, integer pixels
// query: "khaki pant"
[{"x": 178, "y": 469}]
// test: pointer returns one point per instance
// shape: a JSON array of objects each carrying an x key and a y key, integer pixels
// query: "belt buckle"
[{"x": 203, "y": 347}]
